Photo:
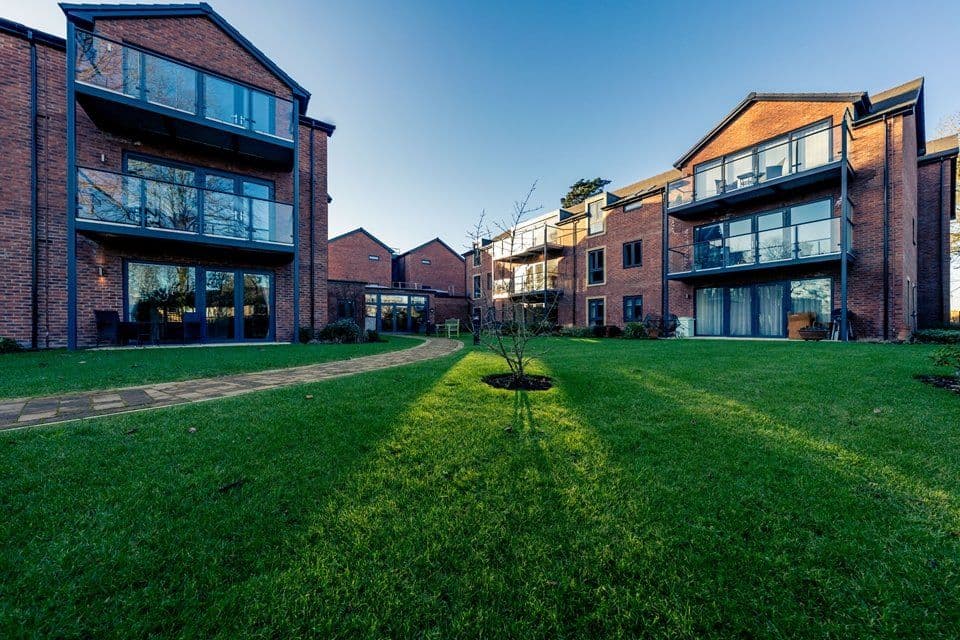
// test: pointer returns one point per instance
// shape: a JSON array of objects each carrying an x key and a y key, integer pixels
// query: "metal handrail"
[
  {"x": 124, "y": 199},
  {"x": 730, "y": 253},
  {"x": 683, "y": 191},
  {"x": 102, "y": 67}
]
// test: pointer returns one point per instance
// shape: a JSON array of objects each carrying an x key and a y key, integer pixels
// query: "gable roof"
[
  {"x": 362, "y": 231},
  {"x": 25, "y": 32},
  {"x": 866, "y": 108},
  {"x": 428, "y": 242},
  {"x": 86, "y": 14}
]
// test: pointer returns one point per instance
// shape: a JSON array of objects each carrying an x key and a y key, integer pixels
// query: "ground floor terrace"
[
  {"x": 639, "y": 498},
  {"x": 131, "y": 290}
]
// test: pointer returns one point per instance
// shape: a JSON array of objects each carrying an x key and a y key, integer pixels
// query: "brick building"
[
  {"x": 810, "y": 204},
  {"x": 386, "y": 291},
  {"x": 159, "y": 169}
]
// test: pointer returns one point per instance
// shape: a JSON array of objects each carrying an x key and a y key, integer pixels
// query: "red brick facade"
[
  {"x": 433, "y": 265},
  {"x": 359, "y": 256},
  {"x": 101, "y": 258},
  {"x": 900, "y": 199}
]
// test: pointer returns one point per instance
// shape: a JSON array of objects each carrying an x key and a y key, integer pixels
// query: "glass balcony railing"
[
  {"x": 105, "y": 196},
  {"x": 768, "y": 247},
  {"x": 787, "y": 155},
  {"x": 143, "y": 76},
  {"x": 526, "y": 283},
  {"x": 526, "y": 240}
]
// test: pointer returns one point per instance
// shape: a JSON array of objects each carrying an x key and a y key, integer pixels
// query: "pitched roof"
[
  {"x": 23, "y": 31},
  {"x": 442, "y": 243},
  {"x": 86, "y": 14},
  {"x": 865, "y": 107},
  {"x": 363, "y": 231}
]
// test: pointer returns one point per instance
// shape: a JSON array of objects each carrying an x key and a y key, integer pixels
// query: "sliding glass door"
[
  {"x": 759, "y": 310},
  {"x": 184, "y": 303}
]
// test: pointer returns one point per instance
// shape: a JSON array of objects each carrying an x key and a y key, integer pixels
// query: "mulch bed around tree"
[
  {"x": 529, "y": 383},
  {"x": 944, "y": 382}
]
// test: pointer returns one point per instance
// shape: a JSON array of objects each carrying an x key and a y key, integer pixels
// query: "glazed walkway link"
[{"x": 27, "y": 412}]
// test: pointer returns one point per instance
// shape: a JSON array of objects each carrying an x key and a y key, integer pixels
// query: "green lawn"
[
  {"x": 673, "y": 489},
  {"x": 58, "y": 371}
]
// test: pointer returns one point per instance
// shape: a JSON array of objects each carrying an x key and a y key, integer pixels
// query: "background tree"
[
  {"x": 583, "y": 189},
  {"x": 508, "y": 326}
]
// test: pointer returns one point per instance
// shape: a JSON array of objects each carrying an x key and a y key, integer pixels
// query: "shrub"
[
  {"x": 635, "y": 331},
  {"x": 306, "y": 334},
  {"x": 9, "y": 345},
  {"x": 597, "y": 331},
  {"x": 948, "y": 357},
  {"x": 653, "y": 323},
  {"x": 613, "y": 331},
  {"x": 344, "y": 330},
  {"x": 374, "y": 336},
  {"x": 937, "y": 336}
]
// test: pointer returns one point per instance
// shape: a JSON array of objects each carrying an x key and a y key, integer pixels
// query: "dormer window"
[{"x": 596, "y": 217}]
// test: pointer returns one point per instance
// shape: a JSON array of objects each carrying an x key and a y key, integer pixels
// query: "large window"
[
  {"x": 391, "y": 312},
  {"x": 162, "y": 299},
  {"x": 596, "y": 312},
  {"x": 632, "y": 254},
  {"x": 632, "y": 308},
  {"x": 595, "y": 267},
  {"x": 477, "y": 291},
  {"x": 596, "y": 217},
  {"x": 476, "y": 257},
  {"x": 802, "y": 231},
  {"x": 760, "y": 309},
  {"x": 160, "y": 292}
]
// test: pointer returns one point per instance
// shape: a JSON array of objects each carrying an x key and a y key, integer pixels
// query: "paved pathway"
[{"x": 26, "y": 412}]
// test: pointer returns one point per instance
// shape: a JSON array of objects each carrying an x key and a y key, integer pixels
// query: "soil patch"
[
  {"x": 944, "y": 382},
  {"x": 527, "y": 383}
]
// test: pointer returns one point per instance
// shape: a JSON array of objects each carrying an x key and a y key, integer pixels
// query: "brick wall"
[
  {"x": 445, "y": 271},
  {"x": 934, "y": 207},
  {"x": 644, "y": 224},
  {"x": 196, "y": 40},
  {"x": 349, "y": 259}
]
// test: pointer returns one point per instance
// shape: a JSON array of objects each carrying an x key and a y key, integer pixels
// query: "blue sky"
[{"x": 444, "y": 109}]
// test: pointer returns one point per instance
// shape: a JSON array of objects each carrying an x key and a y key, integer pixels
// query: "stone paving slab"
[{"x": 27, "y": 412}]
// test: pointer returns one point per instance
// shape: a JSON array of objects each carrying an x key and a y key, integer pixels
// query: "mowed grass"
[
  {"x": 673, "y": 489},
  {"x": 58, "y": 371}
]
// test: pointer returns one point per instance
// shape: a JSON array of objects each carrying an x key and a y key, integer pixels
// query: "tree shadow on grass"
[
  {"x": 770, "y": 530},
  {"x": 145, "y": 523},
  {"x": 457, "y": 527}
]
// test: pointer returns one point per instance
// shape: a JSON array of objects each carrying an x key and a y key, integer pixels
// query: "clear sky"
[{"x": 447, "y": 108}]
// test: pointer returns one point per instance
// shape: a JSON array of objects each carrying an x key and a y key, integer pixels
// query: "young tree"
[
  {"x": 508, "y": 325},
  {"x": 583, "y": 189}
]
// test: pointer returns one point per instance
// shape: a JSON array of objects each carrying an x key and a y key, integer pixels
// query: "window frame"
[
  {"x": 634, "y": 299},
  {"x": 599, "y": 202},
  {"x": 592, "y": 270},
  {"x": 477, "y": 287},
  {"x": 636, "y": 249},
  {"x": 591, "y": 302}
]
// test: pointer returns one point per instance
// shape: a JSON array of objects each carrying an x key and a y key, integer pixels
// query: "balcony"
[
  {"x": 805, "y": 158},
  {"x": 798, "y": 244},
  {"x": 527, "y": 285},
  {"x": 126, "y": 89},
  {"x": 115, "y": 204},
  {"x": 528, "y": 245}
]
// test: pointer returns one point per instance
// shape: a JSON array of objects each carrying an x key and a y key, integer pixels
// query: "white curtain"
[
  {"x": 709, "y": 312},
  {"x": 770, "y": 311},
  {"x": 741, "y": 311}
]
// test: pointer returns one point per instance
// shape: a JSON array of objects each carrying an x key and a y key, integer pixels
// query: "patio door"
[{"x": 257, "y": 303}]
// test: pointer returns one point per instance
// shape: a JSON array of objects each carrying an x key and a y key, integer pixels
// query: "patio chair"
[
  {"x": 111, "y": 331},
  {"x": 452, "y": 327}
]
